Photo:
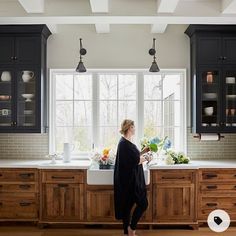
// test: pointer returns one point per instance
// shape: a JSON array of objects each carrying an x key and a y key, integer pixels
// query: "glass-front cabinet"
[
  {"x": 229, "y": 98},
  {"x": 19, "y": 100},
  {"x": 210, "y": 97},
  {"x": 23, "y": 78},
  {"x": 217, "y": 96},
  {"x": 6, "y": 98}
]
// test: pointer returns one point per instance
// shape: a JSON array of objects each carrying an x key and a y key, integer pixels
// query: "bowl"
[
  {"x": 210, "y": 95},
  {"x": 28, "y": 96},
  {"x": 5, "y": 97},
  {"x": 230, "y": 80},
  {"x": 28, "y": 112},
  {"x": 209, "y": 111}
]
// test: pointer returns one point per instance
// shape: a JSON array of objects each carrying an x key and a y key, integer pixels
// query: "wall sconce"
[
  {"x": 154, "y": 67},
  {"x": 81, "y": 68}
]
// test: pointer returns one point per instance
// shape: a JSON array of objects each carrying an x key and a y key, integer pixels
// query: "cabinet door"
[
  {"x": 7, "y": 50},
  {"x": 209, "y": 50},
  {"x": 229, "y": 49},
  {"x": 7, "y": 97},
  {"x": 63, "y": 202},
  {"x": 27, "y": 50},
  {"x": 173, "y": 203},
  {"x": 28, "y": 103},
  {"x": 100, "y": 205},
  {"x": 229, "y": 99},
  {"x": 208, "y": 100}
]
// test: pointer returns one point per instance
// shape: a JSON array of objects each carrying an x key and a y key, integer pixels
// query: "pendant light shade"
[
  {"x": 154, "y": 67},
  {"x": 81, "y": 68}
]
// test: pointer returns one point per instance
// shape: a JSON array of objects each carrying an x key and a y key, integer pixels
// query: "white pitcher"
[
  {"x": 27, "y": 75},
  {"x": 6, "y": 76},
  {"x": 68, "y": 148}
]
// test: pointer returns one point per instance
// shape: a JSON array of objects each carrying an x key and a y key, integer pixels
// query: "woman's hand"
[{"x": 145, "y": 150}]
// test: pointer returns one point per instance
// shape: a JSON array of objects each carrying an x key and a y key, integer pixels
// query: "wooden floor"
[{"x": 34, "y": 231}]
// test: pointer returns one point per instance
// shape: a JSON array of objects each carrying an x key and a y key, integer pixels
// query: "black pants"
[{"x": 141, "y": 206}]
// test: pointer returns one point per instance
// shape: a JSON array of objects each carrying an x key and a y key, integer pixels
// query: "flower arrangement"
[
  {"x": 163, "y": 147},
  {"x": 104, "y": 157},
  {"x": 176, "y": 158},
  {"x": 155, "y": 144}
]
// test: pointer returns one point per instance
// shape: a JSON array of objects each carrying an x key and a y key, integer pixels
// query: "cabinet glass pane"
[
  {"x": 26, "y": 92},
  {"x": 230, "y": 98},
  {"x": 210, "y": 113},
  {"x": 6, "y": 114}
]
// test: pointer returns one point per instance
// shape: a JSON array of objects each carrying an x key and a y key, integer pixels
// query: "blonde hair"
[{"x": 125, "y": 125}]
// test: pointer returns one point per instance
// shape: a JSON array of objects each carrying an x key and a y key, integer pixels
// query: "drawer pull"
[
  {"x": 211, "y": 204},
  {"x": 63, "y": 177},
  {"x": 24, "y": 186},
  {"x": 25, "y": 204},
  {"x": 1, "y": 203},
  {"x": 62, "y": 185},
  {"x": 25, "y": 175},
  {"x": 212, "y": 187},
  {"x": 211, "y": 175},
  {"x": 1, "y": 186},
  {"x": 0, "y": 175},
  {"x": 163, "y": 177}
]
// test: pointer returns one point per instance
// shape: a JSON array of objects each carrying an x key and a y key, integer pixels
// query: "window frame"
[{"x": 95, "y": 102}]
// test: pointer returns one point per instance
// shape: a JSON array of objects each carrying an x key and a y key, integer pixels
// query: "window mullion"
[{"x": 140, "y": 104}]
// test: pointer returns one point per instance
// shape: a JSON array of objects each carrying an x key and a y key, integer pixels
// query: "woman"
[{"x": 129, "y": 182}]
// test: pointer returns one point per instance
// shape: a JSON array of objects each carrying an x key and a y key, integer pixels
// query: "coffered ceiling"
[{"x": 105, "y": 13}]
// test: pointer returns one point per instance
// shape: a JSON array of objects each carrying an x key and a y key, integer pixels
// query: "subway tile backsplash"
[
  {"x": 223, "y": 149},
  {"x": 36, "y": 146},
  {"x": 23, "y": 146}
]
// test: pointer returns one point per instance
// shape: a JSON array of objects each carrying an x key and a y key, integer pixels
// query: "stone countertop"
[
  {"x": 44, "y": 164},
  {"x": 197, "y": 164},
  {"x": 86, "y": 164}
]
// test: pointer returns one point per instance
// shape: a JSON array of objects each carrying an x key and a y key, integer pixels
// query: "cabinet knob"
[
  {"x": 224, "y": 58},
  {"x": 12, "y": 58}
]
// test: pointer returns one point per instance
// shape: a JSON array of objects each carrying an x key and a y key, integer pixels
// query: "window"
[{"x": 87, "y": 109}]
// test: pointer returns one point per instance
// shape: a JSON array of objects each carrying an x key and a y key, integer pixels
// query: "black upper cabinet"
[
  {"x": 23, "y": 78},
  {"x": 213, "y": 78},
  {"x": 7, "y": 50}
]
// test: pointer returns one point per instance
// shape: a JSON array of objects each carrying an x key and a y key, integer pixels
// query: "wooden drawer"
[
  {"x": 15, "y": 188},
  {"x": 63, "y": 176},
  {"x": 18, "y": 175},
  {"x": 164, "y": 176},
  {"x": 211, "y": 175},
  {"x": 208, "y": 204},
  {"x": 19, "y": 207},
  {"x": 216, "y": 188}
]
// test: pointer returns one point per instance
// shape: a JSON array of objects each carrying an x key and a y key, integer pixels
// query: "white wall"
[{"x": 126, "y": 46}]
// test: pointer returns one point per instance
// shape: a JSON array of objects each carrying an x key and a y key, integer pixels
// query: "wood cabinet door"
[
  {"x": 173, "y": 203},
  {"x": 7, "y": 50},
  {"x": 100, "y": 205},
  {"x": 209, "y": 50},
  {"x": 63, "y": 202},
  {"x": 27, "y": 50}
]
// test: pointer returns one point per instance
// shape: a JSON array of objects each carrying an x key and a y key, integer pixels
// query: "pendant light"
[
  {"x": 81, "y": 68},
  {"x": 154, "y": 67}
]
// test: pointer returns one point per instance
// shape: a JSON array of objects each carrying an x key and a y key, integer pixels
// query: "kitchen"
[{"x": 79, "y": 109}]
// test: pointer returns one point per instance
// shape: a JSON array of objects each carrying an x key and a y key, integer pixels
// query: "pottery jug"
[
  {"x": 27, "y": 75},
  {"x": 6, "y": 76}
]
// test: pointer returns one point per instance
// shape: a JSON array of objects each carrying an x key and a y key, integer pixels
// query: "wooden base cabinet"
[
  {"x": 100, "y": 204},
  {"x": 62, "y": 196},
  {"x": 217, "y": 190},
  {"x": 173, "y": 196},
  {"x": 19, "y": 194}
]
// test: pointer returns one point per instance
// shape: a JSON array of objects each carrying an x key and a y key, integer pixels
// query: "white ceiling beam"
[
  {"x": 166, "y": 6},
  {"x": 228, "y": 6},
  {"x": 102, "y": 28},
  {"x": 136, "y": 20},
  {"x": 99, "y": 6},
  {"x": 158, "y": 28},
  {"x": 33, "y": 6}
]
